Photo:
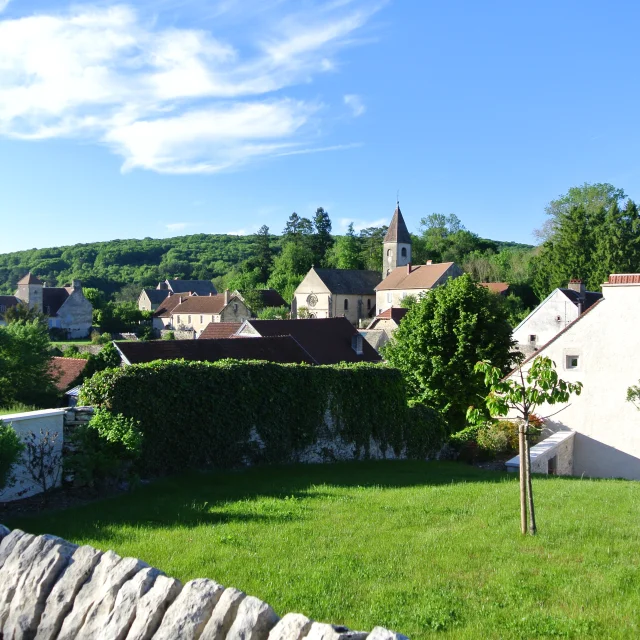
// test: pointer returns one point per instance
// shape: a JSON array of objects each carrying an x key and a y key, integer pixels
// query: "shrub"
[
  {"x": 43, "y": 459},
  {"x": 425, "y": 431},
  {"x": 146, "y": 333},
  {"x": 104, "y": 450},
  {"x": 196, "y": 414},
  {"x": 498, "y": 437},
  {"x": 11, "y": 448},
  {"x": 169, "y": 335}
]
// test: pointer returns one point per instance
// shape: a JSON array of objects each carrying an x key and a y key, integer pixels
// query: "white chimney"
[
  {"x": 226, "y": 296},
  {"x": 429, "y": 261},
  {"x": 408, "y": 268}
]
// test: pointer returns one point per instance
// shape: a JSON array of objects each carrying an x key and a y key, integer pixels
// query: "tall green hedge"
[{"x": 196, "y": 414}]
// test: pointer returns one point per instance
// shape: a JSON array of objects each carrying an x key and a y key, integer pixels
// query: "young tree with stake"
[{"x": 521, "y": 394}]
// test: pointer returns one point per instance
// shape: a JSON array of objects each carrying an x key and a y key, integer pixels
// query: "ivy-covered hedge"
[{"x": 196, "y": 414}]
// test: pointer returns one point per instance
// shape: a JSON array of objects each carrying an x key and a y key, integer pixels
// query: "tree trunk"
[
  {"x": 532, "y": 513},
  {"x": 523, "y": 491}
]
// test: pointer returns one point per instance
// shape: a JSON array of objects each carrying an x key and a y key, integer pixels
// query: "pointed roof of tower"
[
  {"x": 30, "y": 279},
  {"x": 398, "y": 231}
]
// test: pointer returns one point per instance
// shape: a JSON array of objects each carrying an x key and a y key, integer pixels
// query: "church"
[{"x": 359, "y": 294}]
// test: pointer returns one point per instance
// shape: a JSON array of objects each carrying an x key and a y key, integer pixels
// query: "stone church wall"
[{"x": 50, "y": 588}]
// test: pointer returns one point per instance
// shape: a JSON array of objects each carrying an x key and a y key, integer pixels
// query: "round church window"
[{"x": 312, "y": 300}]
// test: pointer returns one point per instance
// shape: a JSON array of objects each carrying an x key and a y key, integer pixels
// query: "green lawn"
[{"x": 428, "y": 549}]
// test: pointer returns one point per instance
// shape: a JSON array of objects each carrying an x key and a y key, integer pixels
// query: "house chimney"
[
  {"x": 226, "y": 296},
  {"x": 578, "y": 286},
  {"x": 356, "y": 344},
  {"x": 408, "y": 268},
  {"x": 429, "y": 261},
  {"x": 76, "y": 285}
]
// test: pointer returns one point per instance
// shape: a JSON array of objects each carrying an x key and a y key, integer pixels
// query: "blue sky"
[{"x": 175, "y": 117}]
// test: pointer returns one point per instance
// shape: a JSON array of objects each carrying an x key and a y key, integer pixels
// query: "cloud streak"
[
  {"x": 172, "y": 100},
  {"x": 355, "y": 103}
]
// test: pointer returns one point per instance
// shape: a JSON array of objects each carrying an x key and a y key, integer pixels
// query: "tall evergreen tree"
[
  {"x": 264, "y": 254},
  {"x": 322, "y": 240},
  {"x": 346, "y": 252}
]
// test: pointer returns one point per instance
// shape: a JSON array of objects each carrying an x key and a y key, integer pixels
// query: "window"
[
  {"x": 533, "y": 338},
  {"x": 368, "y": 304},
  {"x": 178, "y": 319},
  {"x": 346, "y": 304},
  {"x": 2, "y": 308},
  {"x": 188, "y": 319},
  {"x": 572, "y": 362},
  {"x": 389, "y": 296},
  {"x": 201, "y": 319},
  {"x": 235, "y": 308},
  {"x": 389, "y": 252},
  {"x": 403, "y": 253}
]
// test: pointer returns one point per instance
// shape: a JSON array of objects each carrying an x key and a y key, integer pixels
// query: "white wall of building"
[
  {"x": 549, "y": 318},
  {"x": 606, "y": 343}
]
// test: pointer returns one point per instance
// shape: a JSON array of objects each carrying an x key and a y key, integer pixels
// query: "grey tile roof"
[
  {"x": 201, "y": 287},
  {"x": 398, "y": 231},
  {"x": 349, "y": 281}
]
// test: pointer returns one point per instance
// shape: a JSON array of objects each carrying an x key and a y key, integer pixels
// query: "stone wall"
[
  {"x": 52, "y": 589},
  {"x": 554, "y": 455}
]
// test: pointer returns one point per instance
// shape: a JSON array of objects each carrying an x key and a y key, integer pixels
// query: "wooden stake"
[{"x": 523, "y": 491}]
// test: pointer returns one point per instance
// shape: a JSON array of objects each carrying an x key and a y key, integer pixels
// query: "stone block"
[
  {"x": 321, "y": 631},
  {"x": 380, "y": 633},
  {"x": 293, "y": 626},
  {"x": 121, "y": 617},
  {"x": 97, "y": 595},
  {"x": 60, "y": 600},
  {"x": 152, "y": 606},
  {"x": 3, "y": 532},
  {"x": 9, "y": 542},
  {"x": 224, "y": 613},
  {"x": 254, "y": 620},
  {"x": 49, "y": 557},
  {"x": 187, "y": 617}
]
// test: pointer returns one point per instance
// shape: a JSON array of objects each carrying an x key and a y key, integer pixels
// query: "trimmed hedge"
[{"x": 226, "y": 413}]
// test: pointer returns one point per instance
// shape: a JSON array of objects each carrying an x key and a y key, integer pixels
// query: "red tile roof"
[
  {"x": 422, "y": 276},
  {"x": 66, "y": 371},
  {"x": 501, "y": 288},
  {"x": 217, "y": 330},
  {"x": 282, "y": 349},
  {"x": 204, "y": 304},
  {"x": 392, "y": 313},
  {"x": 327, "y": 340},
  {"x": 168, "y": 304},
  {"x": 624, "y": 278}
]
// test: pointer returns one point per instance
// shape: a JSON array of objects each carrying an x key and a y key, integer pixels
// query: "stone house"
[
  {"x": 601, "y": 349},
  {"x": 66, "y": 308},
  {"x": 379, "y": 332},
  {"x": 162, "y": 318},
  {"x": 413, "y": 280},
  {"x": 326, "y": 340},
  {"x": 559, "y": 309},
  {"x": 196, "y": 312},
  {"x": 330, "y": 293},
  {"x": 151, "y": 299}
]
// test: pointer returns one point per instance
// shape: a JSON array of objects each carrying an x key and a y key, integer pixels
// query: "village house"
[
  {"x": 216, "y": 330},
  {"x": 329, "y": 293},
  {"x": 559, "y": 309},
  {"x": 151, "y": 299},
  {"x": 326, "y": 340},
  {"x": 162, "y": 316},
  {"x": 379, "y": 332},
  {"x": 65, "y": 308},
  {"x": 196, "y": 312},
  {"x": 601, "y": 349}
]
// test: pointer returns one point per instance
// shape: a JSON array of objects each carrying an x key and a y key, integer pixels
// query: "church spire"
[{"x": 397, "y": 244}]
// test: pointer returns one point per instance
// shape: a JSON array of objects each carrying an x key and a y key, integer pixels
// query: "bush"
[
  {"x": 98, "y": 338},
  {"x": 498, "y": 437},
  {"x": 146, "y": 333},
  {"x": 197, "y": 414},
  {"x": 170, "y": 335},
  {"x": 11, "y": 448},
  {"x": 104, "y": 450}
]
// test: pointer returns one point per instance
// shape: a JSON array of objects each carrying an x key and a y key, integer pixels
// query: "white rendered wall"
[
  {"x": 51, "y": 420},
  {"x": 549, "y": 318},
  {"x": 606, "y": 341}
]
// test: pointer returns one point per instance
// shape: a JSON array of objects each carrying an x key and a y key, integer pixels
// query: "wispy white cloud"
[
  {"x": 173, "y": 100},
  {"x": 177, "y": 226},
  {"x": 354, "y": 102},
  {"x": 360, "y": 224},
  {"x": 4, "y": 4}
]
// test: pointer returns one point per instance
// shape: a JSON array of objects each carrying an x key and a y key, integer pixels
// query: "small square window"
[
  {"x": 533, "y": 338},
  {"x": 572, "y": 362}
]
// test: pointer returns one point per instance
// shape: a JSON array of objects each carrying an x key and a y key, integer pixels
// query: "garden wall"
[
  {"x": 554, "y": 455},
  {"x": 50, "y": 588},
  {"x": 231, "y": 413}
]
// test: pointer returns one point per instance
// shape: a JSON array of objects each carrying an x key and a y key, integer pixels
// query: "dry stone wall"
[{"x": 51, "y": 589}]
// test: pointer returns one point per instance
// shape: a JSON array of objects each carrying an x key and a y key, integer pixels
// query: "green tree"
[
  {"x": 25, "y": 374},
  {"x": 11, "y": 448},
  {"x": 22, "y": 313},
  {"x": 346, "y": 251},
  {"x": 322, "y": 240},
  {"x": 371, "y": 240},
  {"x": 591, "y": 197},
  {"x": 441, "y": 338},
  {"x": 521, "y": 394},
  {"x": 264, "y": 253}
]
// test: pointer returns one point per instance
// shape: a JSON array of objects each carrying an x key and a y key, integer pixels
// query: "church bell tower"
[{"x": 397, "y": 244}]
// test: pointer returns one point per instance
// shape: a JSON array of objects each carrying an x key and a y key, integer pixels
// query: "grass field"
[{"x": 427, "y": 549}]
